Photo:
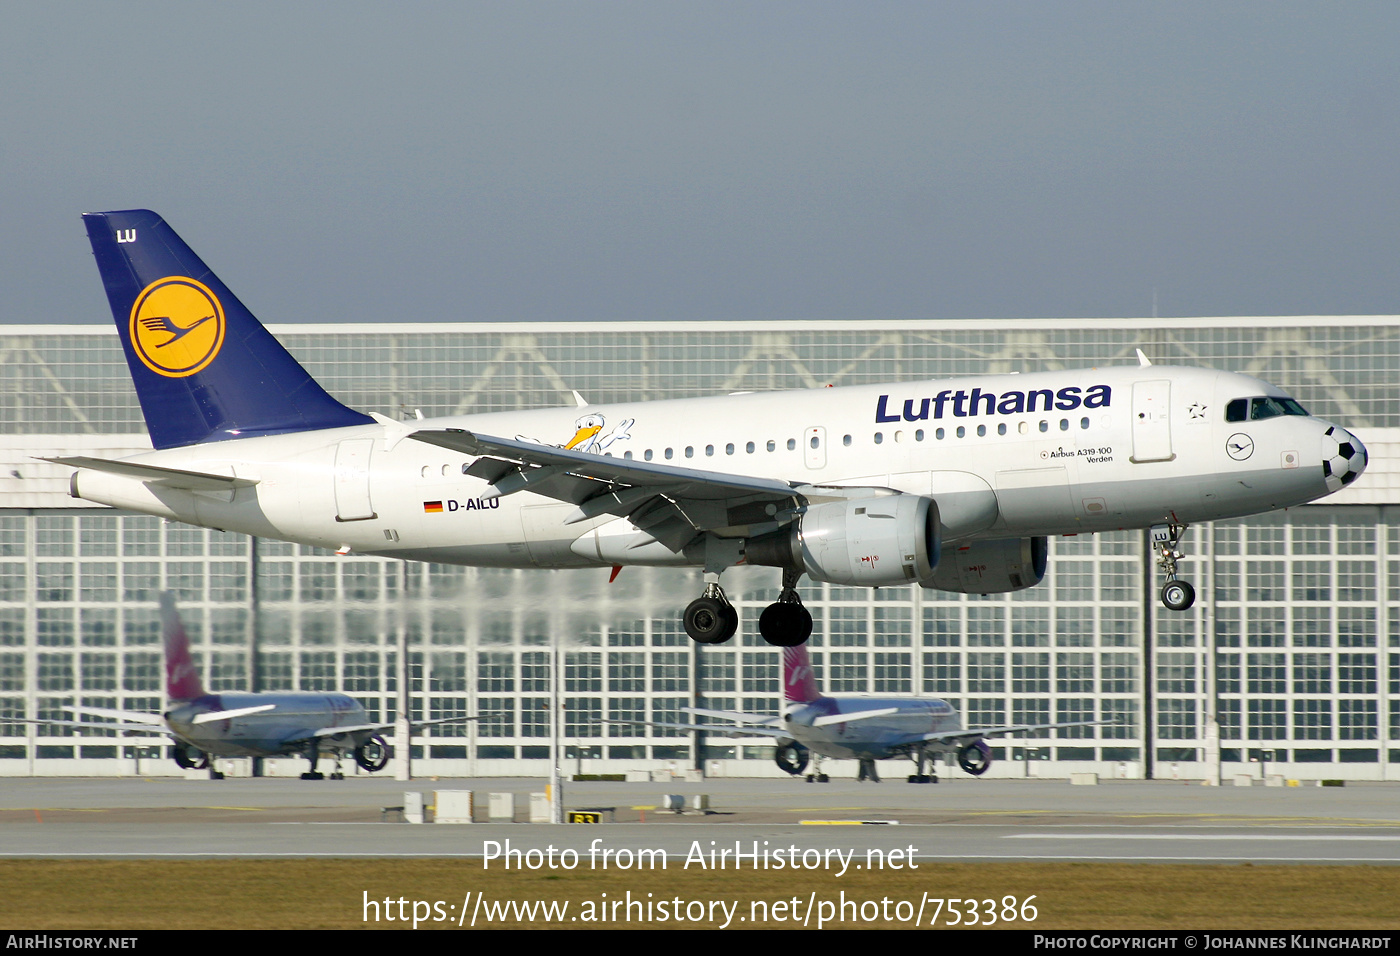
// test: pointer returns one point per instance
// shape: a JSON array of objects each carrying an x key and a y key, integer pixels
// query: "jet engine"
[
  {"x": 880, "y": 541},
  {"x": 791, "y": 757},
  {"x": 189, "y": 758},
  {"x": 975, "y": 757},
  {"x": 373, "y": 755},
  {"x": 992, "y": 567}
]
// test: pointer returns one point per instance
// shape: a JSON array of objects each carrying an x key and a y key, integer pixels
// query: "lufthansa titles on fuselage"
[{"x": 964, "y": 404}]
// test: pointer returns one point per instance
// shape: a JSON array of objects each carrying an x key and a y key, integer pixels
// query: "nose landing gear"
[{"x": 1177, "y": 595}]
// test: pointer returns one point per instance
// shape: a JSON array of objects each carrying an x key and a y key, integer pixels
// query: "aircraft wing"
[
  {"x": 124, "y": 730},
  {"x": 671, "y": 504},
  {"x": 734, "y": 715},
  {"x": 413, "y": 727},
  {"x": 737, "y": 730},
  {"x": 1017, "y": 729}
]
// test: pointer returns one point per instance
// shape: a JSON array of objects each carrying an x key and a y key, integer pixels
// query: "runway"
[{"x": 958, "y": 820}]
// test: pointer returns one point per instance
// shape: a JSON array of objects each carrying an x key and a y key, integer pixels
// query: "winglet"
[{"x": 1143, "y": 360}]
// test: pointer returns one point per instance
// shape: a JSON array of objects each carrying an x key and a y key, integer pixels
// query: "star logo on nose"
[{"x": 1197, "y": 410}]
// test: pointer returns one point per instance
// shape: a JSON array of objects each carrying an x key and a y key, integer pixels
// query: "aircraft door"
[
  {"x": 352, "y": 480},
  {"x": 814, "y": 446},
  {"x": 1152, "y": 432}
]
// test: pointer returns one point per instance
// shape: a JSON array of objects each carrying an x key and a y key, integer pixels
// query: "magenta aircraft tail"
[
  {"x": 799, "y": 681},
  {"x": 181, "y": 679}
]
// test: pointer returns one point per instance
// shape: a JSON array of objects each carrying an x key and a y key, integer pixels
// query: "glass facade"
[{"x": 1292, "y": 651}]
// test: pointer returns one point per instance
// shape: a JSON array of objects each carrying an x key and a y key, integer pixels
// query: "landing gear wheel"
[
  {"x": 711, "y": 620},
  {"x": 1178, "y": 595},
  {"x": 785, "y": 625}
]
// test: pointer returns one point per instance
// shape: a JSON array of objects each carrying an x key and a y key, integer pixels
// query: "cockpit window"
[{"x": 1260, "y": 408}]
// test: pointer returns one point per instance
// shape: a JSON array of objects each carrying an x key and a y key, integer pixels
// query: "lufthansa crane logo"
[{"x": 177, "y": 326}]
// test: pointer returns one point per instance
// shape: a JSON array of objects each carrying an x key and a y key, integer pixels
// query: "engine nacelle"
[
  {"x": 791, "y": 757},
  {"x": 975, "y": 758},
  {"x": 373, "y": 755},
  {"x": 993, "y": 567},
  {"x": 874, "y": 542},
  {"x": 188, "y": 757}
]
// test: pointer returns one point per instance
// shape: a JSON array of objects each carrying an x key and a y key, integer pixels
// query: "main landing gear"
[
  {"x": 1177, "y": 595},
  {"x": 918, "y": 776},
  {"x": 786, "y": 623},
  {"x": 711, "y": 619}
]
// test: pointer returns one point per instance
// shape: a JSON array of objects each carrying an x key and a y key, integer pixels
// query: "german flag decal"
[{"x": 432, "y": 507}]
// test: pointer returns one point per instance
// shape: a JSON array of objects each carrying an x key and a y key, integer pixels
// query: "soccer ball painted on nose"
[{"x": 1343, "y": 458}]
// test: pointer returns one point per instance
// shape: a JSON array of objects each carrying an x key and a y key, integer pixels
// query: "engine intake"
[{"x": 880, "y": 541}]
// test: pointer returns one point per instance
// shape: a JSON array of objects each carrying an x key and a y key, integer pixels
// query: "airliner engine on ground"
[
  {"x": 951, "y": 485},
  {"x": 866, "y": 729},
  {"x": 233, "y": 724}
]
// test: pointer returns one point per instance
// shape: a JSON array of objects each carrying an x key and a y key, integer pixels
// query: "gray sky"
[{"x": 460, "y": 161}]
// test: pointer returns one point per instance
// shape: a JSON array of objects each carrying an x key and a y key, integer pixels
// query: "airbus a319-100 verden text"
[{"x": 946, "y": 484}]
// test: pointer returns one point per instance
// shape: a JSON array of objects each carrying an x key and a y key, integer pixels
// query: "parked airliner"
[
  {"x": 866, "y": 729},
  {"x": 235, "y": 724},
  {"x": 946, "y": 484}
]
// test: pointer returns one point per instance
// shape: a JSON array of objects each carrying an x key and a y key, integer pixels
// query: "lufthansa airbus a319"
[{"x": 951, "y": 485}]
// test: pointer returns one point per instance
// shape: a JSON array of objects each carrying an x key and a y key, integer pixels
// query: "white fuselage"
[{"x": 1003, "y": 455}]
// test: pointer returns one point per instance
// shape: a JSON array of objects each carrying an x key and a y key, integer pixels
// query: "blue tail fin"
[{"x": 205, "y": 369}]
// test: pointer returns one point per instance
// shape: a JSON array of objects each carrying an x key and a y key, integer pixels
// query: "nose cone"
[{"x": 1343, "y": 457}]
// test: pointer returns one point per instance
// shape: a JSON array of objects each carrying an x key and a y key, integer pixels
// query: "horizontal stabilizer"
[
  {"x": 170, "y": 477},
  {"x": 857, "y": 715},
  {"x": 212, "y": 716}
]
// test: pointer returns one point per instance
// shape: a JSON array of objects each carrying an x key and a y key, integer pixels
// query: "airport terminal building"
[{"x": 1289, "y": 662}]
